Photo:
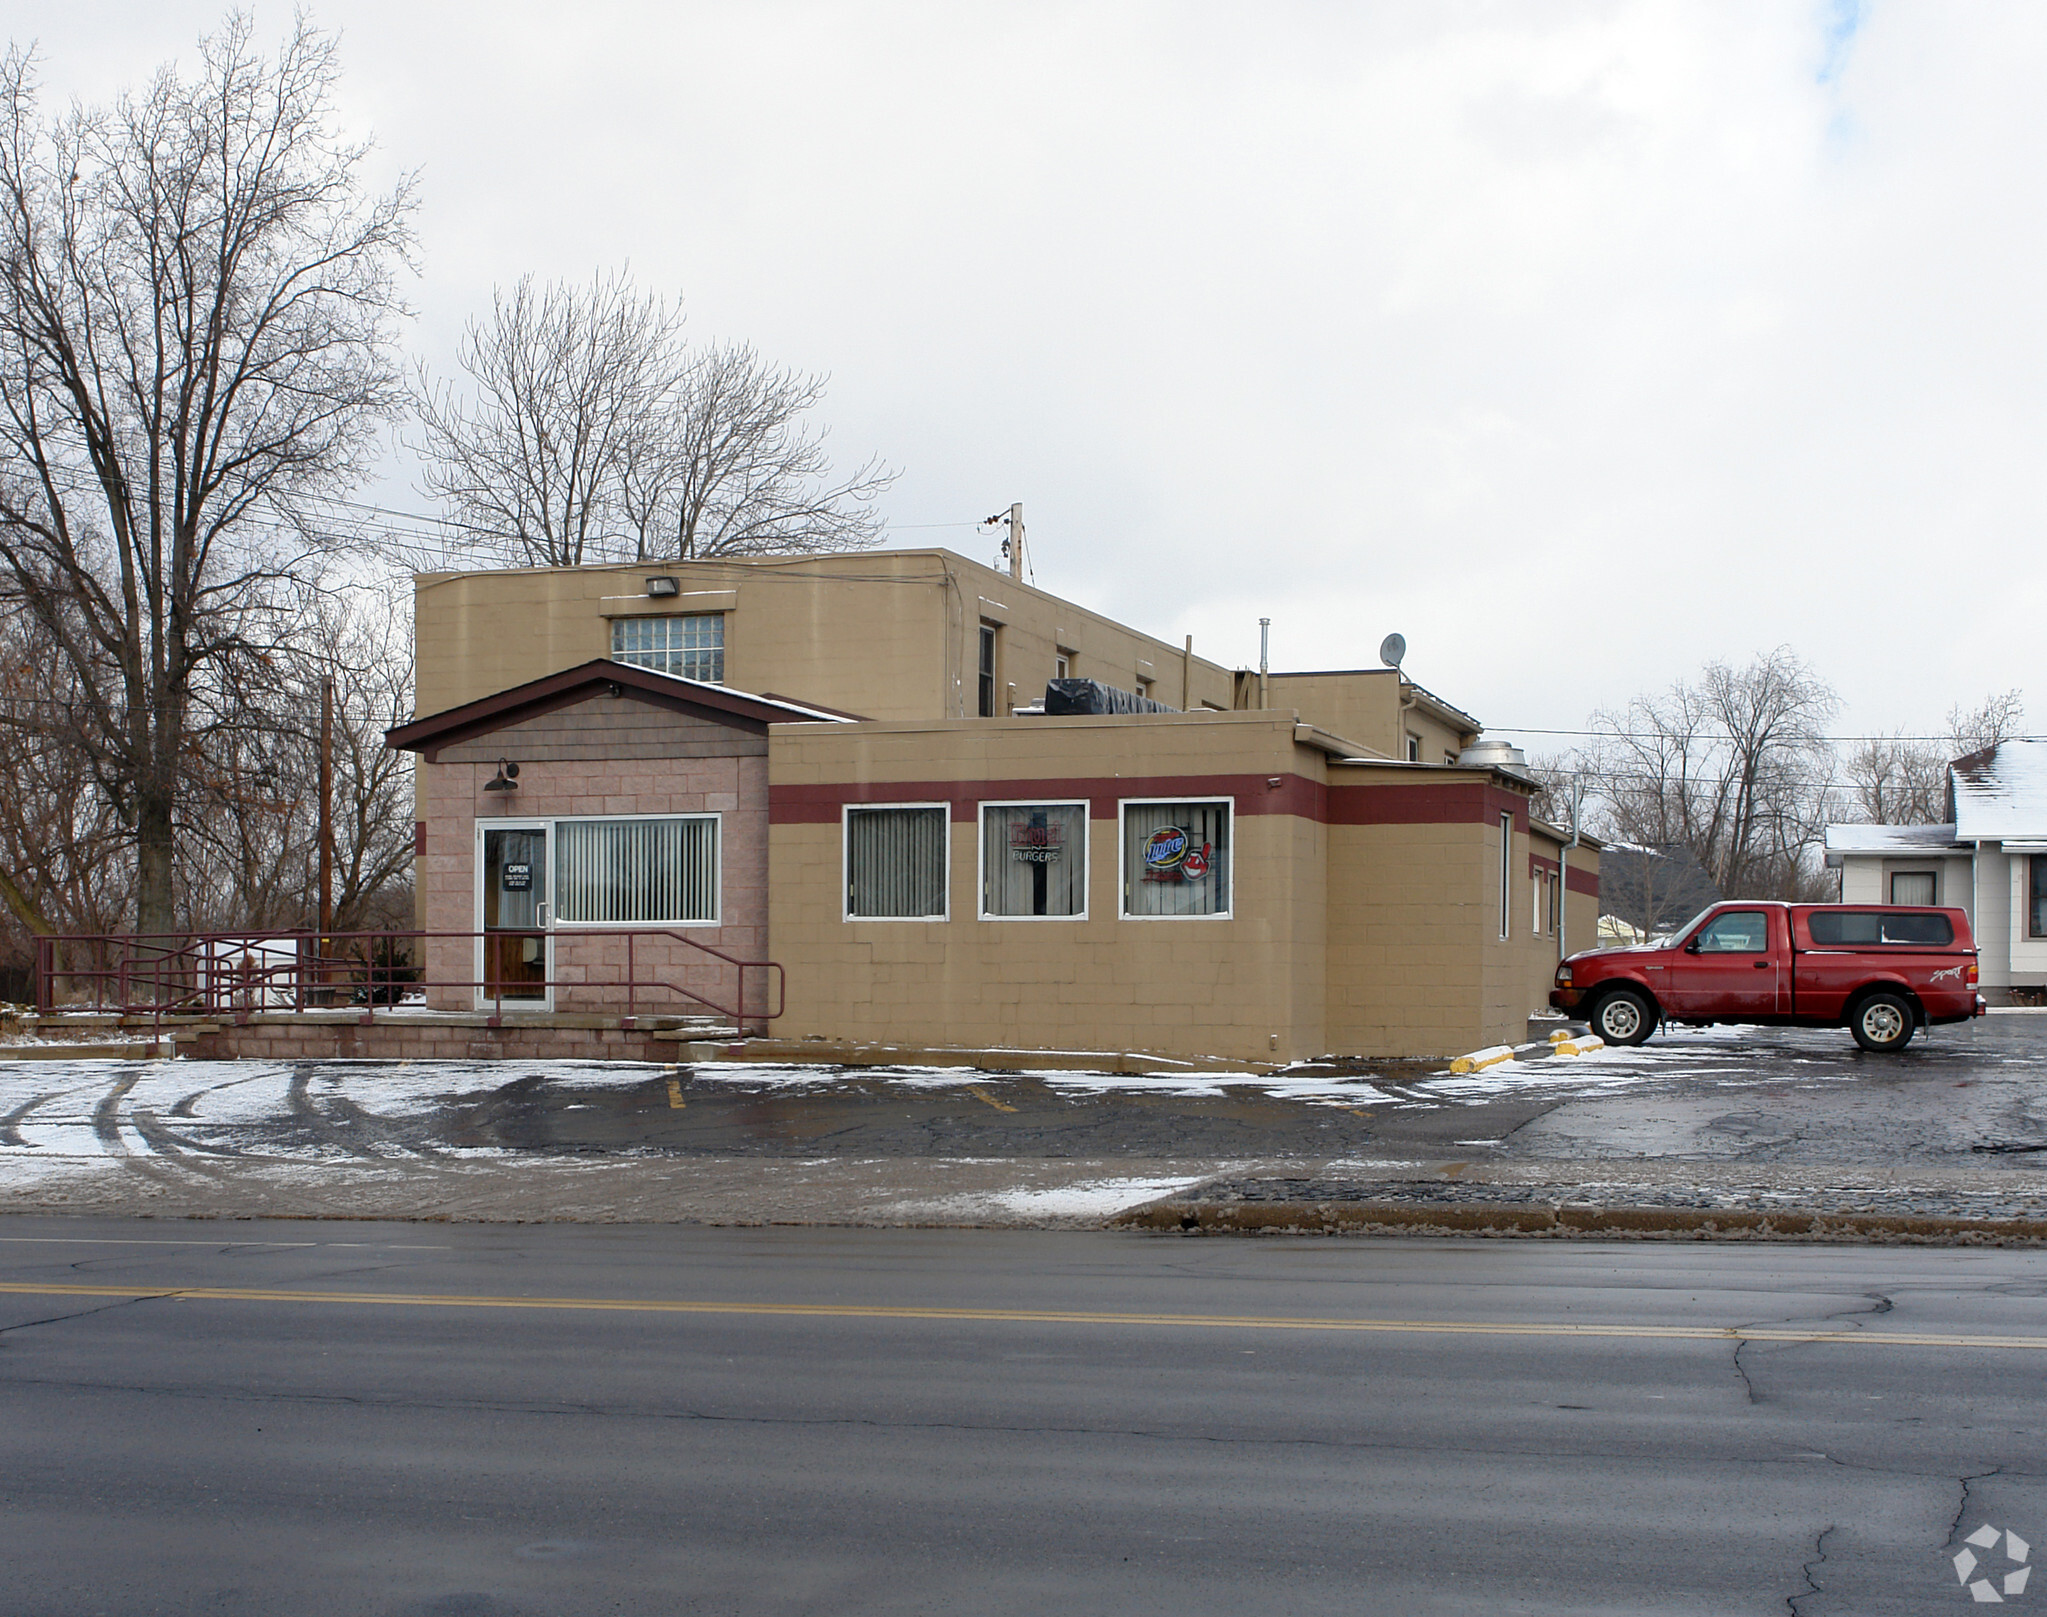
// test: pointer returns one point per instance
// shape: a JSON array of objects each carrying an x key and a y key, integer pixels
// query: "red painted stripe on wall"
[
  {"x": 1461, "y": 802},
  {"x": 1582, "y": 881},
  {"x": 1451, "y": 803},
  {"x": 1255, "y": 794}
]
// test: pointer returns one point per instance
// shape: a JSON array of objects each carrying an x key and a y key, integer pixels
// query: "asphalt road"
[{"x": 735, "y": 1421}]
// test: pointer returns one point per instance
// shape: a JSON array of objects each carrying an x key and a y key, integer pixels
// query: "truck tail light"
[{"x": 1972, "y": 974}]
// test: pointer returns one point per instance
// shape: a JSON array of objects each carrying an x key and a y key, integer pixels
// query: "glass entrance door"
[{"x": 518, "y": 949}]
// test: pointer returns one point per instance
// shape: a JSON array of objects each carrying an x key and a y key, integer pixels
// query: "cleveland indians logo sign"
[{"x": 1170, "y": 855}]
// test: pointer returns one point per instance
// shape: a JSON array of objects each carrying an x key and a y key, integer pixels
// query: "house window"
[
  {"x": 895, "y": 863},
  {"x": 1414, "y": 749},
  {"x": 1033, "y": 860},
  {"x": 1144, "y": 687},
  {"x": 1535, "y": 900},
  {"x": 987, "y": 671},
  {"x": 1176, "y": 859},
  {"x": 2036, "y": 910},
  {"x": 1061, "y": 664},
  {"x": 1506, "y": 873},
  {"x": 624, "y": 871},
  {"x": 692, "y": 645},
  {"x": 1914, "y": 887}
]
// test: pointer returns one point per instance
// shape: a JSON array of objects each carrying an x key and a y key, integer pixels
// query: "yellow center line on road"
[
  {"x": 1032, "y": 1316},
  {"x": 675, "y": 1099},
  {"x": 981, "y": 1094}
]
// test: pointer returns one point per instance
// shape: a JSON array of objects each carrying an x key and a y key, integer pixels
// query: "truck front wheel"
[
  {"x": 1624, "y": 1016},
  {"x": 1882, "y": 1023}
]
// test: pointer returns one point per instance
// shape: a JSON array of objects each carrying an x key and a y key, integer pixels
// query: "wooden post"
[{"x": 326, "y": 906}]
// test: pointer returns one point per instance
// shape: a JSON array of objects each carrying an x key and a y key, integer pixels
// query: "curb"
[
  {"x": 1566, "y": 1221},
  {"x": 146, "y": 1051}
]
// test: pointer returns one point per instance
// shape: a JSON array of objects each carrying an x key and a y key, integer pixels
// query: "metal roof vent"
[{"x": 1492, "y": 755}]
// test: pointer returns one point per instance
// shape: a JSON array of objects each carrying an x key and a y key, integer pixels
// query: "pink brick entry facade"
[{"x": 603, "y": 757}]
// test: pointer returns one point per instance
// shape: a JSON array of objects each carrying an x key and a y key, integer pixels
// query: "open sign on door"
[{"x": 518, "y": 878}]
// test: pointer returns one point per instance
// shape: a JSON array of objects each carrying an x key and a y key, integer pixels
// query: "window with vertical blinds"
[
  {"x": 621, "y": 871},
  {"x": 895, "y": 863},
  {"x": 1176, "y": 859},
  {"x": 1033, "y": 859}
]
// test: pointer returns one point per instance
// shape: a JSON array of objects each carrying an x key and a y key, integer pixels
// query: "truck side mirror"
[{"x": 1691, "y": 945}]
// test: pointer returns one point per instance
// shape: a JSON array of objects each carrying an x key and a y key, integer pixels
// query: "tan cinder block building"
[
  {"x": 1332, "y": 873},
  {"x": 1352, "y": 906},
  {"x": 887, "y": 634}
]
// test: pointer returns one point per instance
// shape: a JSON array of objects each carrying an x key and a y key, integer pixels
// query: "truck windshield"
[{"x": 1663, "y": 940}]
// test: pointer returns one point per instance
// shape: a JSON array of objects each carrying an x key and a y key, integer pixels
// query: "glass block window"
[
  {"x": 1033, "y": 859},
  {"x": 895, "y": 863},
  {"x": 1176, "y": 859},
  {"x": 621, "y": 871},
  {"x": 691, "y": 645}
]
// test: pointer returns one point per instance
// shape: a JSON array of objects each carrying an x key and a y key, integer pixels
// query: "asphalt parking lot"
[{"x": 1768, "y": 1112}]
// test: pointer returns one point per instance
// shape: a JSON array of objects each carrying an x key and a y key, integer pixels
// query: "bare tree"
[
  {"x": 1733, "y": 768},
  {"x": 65, "y": 858},
  {"x": 1997, "y": 718},
  {"x": 565, "y": 386},
  {"x": 1895, "y": 781},
  {"x": 253, "y": 810},
  {"x": 732, "y": 471},
  {"x": 1558, "y": 792},
  {"x": 589, "y": 430},
  {"x": 197, "y": 316}
]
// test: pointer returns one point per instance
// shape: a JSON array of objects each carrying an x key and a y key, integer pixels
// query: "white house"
[{"x": 1989, "y": 859}]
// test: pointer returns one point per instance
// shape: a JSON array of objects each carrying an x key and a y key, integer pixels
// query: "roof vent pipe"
[
  {"x": 1264, "y": 644},
  {"x": 1492, "y": 755}
]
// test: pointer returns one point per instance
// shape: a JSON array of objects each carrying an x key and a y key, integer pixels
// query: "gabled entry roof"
[{"x": 738, "y": 709}]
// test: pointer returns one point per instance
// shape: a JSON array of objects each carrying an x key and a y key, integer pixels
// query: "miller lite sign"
[{"x": 1170, "y": 855}]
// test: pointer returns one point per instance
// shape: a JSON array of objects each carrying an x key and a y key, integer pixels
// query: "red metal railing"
[{"x": 237, "y": 974}]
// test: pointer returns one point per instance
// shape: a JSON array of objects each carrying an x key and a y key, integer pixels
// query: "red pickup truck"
[{"x": 1882, "y": 973}]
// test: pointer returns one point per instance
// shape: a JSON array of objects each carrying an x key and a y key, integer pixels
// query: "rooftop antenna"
[{"x": 1392, "y": 650}]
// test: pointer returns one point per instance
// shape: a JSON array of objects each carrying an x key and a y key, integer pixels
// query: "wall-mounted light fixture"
[
  {"x": 664, "y": 586},
  {"x": 506, "y": 779}
]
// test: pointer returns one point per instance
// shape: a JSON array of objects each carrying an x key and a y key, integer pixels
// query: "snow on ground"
[
  {"x": 1088, "y": 1199},
  {"x": 1211, "y": 1085}
]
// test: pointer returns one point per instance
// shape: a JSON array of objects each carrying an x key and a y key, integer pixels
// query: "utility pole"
[
  {"x": 1015, "y": 542},
  {"x": 326, "y": 811}
]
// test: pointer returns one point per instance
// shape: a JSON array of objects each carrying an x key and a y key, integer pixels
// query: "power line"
[{"x": 1653, "y": 735}]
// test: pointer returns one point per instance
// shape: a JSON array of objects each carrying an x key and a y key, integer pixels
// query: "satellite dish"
[{"x": 1392, "y": 649}]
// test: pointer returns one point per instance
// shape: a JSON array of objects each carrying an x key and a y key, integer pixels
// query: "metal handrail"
[{"x": 239, "y": 973}]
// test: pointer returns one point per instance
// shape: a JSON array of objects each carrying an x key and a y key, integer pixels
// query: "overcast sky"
[{"x": 1579, "y": 343}]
